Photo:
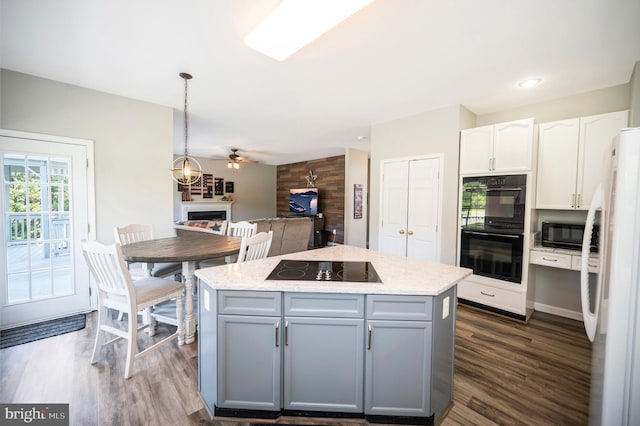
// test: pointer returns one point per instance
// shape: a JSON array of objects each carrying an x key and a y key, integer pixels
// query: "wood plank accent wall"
[{"x": 330, "y": 183}]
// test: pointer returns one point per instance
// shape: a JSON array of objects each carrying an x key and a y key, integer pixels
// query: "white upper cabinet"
[
  {"x": 500, "y": 148},
  {"x": 571, "y": 159}
]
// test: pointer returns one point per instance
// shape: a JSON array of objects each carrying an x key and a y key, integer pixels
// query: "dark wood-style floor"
[{"x": 506, "y": 373}]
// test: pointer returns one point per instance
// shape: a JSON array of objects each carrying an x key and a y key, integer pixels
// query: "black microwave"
[{"x": 568, "y": 235}]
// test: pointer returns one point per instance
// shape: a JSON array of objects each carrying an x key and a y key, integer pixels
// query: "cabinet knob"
[
  {"x": 410, "y": 232},
  {"x": 402, "y": 231}
]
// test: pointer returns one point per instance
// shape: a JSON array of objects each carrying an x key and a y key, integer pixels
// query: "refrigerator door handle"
[{"x": 590, "y": 318}]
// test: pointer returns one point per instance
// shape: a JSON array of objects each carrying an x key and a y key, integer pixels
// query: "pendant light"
[{"x": 186, "y": 170}]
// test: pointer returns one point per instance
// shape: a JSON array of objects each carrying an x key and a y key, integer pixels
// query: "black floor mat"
[{"x": 41, "y": 330}]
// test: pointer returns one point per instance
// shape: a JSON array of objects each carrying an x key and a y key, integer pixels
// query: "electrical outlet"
[{"x": 445, "y": 307}]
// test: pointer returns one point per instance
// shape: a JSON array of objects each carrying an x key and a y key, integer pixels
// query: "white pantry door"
[
  {"x": 410, "y": 208},
  {"x": 422, "y": 214},
  {"x": 45, "y": 214},
  {"x": 393, "y": 230}
]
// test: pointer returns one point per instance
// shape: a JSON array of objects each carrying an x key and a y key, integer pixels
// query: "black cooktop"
[{"x": 313, "y": 270}]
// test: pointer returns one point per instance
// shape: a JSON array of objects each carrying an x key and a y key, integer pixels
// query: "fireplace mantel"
[{"x": 205, "y": 206}]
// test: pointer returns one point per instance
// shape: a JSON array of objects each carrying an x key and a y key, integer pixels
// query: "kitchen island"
[{"x": 382, "y": 350}]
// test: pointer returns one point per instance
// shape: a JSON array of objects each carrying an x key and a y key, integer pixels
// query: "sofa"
[{"x": 290, "y": 234}]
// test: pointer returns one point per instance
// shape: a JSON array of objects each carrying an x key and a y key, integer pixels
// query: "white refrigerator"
[{"x": 613, "y": 321}]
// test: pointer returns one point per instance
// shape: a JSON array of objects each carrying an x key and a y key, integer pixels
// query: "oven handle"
[
  {"x": 510, "y": 188},
  {"x": 486, "y": 234}
]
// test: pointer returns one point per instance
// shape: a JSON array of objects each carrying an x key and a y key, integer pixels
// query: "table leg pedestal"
[{"x": 188, "y": 269}]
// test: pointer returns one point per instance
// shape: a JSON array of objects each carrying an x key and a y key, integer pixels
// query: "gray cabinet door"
[
  {"x": 398, "y": 368},
  {"x": 323, "y": 364},
  {"x": 249, "y": 359}
]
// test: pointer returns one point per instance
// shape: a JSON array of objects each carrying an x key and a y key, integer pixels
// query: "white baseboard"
[{"x": 561, "y": 312}]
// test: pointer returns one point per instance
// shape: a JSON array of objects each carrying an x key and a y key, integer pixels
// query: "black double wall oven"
[{"x": 492, "y": 234}]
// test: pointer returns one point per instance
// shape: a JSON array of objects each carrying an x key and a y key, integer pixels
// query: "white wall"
[
  {"x": 615, "y": 98},
  {"x": 254, "y": 194},
  {"x": 356, "y": 166},
  {"x": 133, "y": 145},
  {"x": 434, "y": 132}
]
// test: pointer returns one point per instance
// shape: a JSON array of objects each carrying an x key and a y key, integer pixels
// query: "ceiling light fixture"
[
  {"x": 186, "y": 170},
  {"x": 525, "y": 84},
  {"x": 234, "y": 159},
  {"x": 296, "y": 23}
]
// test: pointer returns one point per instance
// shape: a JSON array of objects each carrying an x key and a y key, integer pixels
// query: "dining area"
[{"x": 140, "y": 276}]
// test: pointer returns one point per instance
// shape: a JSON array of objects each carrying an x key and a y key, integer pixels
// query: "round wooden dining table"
[{"x": 186, "y": 249}]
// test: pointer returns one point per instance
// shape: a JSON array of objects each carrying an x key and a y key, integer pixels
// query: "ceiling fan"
[{"x": 235, "y": 159}]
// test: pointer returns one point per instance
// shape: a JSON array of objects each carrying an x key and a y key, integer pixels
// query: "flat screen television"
[{"x": 303, "y": 201}]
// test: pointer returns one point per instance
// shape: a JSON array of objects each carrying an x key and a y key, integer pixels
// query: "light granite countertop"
[
  {"x": 555, "y": 250},
  {"x": 399, "y": 275}
]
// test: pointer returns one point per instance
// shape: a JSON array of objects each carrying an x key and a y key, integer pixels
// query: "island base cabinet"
[
  {"x": 249, "y": 362},
  {"x": 398, "y": 368},
  {"x": 323, "y": 364}
]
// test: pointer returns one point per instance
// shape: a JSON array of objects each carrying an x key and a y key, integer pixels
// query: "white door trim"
[{"x": 91, "y": 197}]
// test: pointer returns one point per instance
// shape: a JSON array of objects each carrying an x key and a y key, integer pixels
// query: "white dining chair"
[
  {"x": 141, "y": 232},
  {"x": 256, "y": 247},
  {"x": 116, "y": 290},
  {"x": 241, "y": 229}
]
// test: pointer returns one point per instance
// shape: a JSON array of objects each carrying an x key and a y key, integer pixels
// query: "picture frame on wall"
[
  {"x": 207, "y": 182},
  {"x": 228, "y": 187},
  {"x": 218, "y": 186},
  {"x": 357, "y": 201}
]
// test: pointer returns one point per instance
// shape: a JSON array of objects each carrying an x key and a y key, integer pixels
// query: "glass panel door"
[{"x": 44, "y": 204}]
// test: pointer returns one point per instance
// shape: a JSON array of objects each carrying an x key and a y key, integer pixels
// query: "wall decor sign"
[
  {"x": 219, "y": 186},
  {"x": 228, "y": 187},
  {"x": 357, "y": 201},
  {"x": 207, "y": 181}
]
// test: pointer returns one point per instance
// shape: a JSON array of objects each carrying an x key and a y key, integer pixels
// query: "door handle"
[
  {"x": 402, "y": 231},
  {"x": 573, "y": 201},
  {"x": 369, "y": 338},
  {"x": 487, "y": 294},
  {"x": 286, "y": 333},
  {"x": 410, "y": 232},
  {"x": 578, "y": 201},
  {"x": 277, "y": 328}
]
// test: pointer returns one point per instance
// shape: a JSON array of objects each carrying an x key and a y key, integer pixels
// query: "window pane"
[
  {"x": 17, "y": 198},
  {"x": 35, "y": 226},
  {"x": 37, "y": 170},
  {"x": 14, "y": 170},
  {"x": 41, "y": 284},
  {"x": 40, "y": 258},
  {"x": 18, "y": 287},
  {"x": 17, "y": 255},
  {"x": 62, "y": 283},
  {"x": 37, "y": 194},
  {"x": 17, "y": 227},
  {"x": 59, "y": 170}
]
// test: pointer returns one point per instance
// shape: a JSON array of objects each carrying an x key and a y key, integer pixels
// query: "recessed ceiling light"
[
  {"x": 295, "y": 23},
  {"x": 530, "y": 82}
]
